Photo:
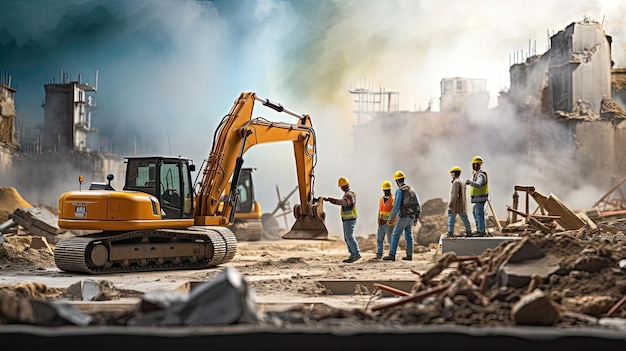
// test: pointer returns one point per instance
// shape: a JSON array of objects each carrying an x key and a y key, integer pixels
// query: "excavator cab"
[{"x": 166, "y": 178}]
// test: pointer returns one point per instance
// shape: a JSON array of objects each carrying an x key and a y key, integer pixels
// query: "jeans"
[
  {"x": 348, "y": 236},
  {"x": 464, "y": 219},
  {"x": 384, "y": 230},
  {"x": 403, "y": 225},
  {"x": 479, "y": 216}
]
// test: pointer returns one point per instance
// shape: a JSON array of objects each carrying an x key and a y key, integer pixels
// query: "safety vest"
[
  {"x": 410, "y": 203},
  {"x": 482, "y": 192},
  {"x": 349, "y": 212},
  {"x": 385, "y": 207}
]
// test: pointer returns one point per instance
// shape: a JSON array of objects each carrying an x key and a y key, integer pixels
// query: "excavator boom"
[{"x": 238, "y": 132}]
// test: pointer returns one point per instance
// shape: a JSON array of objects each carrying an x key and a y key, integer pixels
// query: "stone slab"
[{"x": 472, "y": 246}]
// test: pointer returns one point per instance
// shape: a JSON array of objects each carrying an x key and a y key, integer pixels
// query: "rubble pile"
[{"x": 569, "y": 280}]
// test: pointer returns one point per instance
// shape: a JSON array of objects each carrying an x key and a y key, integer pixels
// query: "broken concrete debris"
[{"x": 223, "y": 300}]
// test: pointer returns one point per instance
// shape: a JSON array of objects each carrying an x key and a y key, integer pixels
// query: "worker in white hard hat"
[
  {"x": 385, "y": 204},
  {"x": 479, "y": 194},
  {"x": 348, "y": 218},
  {"x": 458, "y": 203}
]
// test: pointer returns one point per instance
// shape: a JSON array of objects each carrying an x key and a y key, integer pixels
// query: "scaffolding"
[{"x": 369, "y": 102}]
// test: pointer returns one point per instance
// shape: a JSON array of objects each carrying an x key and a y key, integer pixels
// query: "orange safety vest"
[{"x": 384, "y": 208}]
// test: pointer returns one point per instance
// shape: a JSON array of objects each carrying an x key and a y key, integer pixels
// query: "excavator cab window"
[
  {"x": 246, "y": 191},
  {"x": 168, "y": 179},
  {"x": 141, "y": 175},
  {"x": 170, "y": 184}
]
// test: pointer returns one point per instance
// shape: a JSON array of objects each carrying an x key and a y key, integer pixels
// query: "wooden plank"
[{"x": 348, "y": 286}]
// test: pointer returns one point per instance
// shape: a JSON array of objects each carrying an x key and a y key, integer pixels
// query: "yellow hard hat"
[
  {"x": 386, "y": 185},
  {"x": 343, "y": 181},
  {"x": 455, "y": 169},
  {"x": 398, "y": 175},
  {"x": 477, "y": 159}
]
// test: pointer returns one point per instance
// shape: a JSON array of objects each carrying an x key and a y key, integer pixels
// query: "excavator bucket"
[{"x": 309, "y": 226}]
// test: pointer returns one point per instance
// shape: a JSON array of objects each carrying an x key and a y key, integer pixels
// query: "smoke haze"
[{"x": 169, "y": 70}]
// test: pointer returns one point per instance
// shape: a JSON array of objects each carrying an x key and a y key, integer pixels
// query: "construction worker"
[
  {"x": 385, "y": 205},
  {"x": 348, "y": 218},
  {"x": 479, "y": 193},
  {"x": 458, "y": 202},
  {"x": 407, "y": 207}
]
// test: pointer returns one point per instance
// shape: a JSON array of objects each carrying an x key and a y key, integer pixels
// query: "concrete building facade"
[{"x": 67, "y": 116}]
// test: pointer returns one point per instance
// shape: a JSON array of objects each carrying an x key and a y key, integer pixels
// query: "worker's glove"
[
  {"x": 467, "y": 182},
  {"x": 381, "y": 221},
  {"x": 389, "y": 223}
]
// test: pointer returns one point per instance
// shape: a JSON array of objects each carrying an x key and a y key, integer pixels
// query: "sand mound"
[{"x": 10, "y": 200}]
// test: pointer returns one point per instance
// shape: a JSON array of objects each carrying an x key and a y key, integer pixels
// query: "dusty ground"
[{"x": 286, "y": 273}]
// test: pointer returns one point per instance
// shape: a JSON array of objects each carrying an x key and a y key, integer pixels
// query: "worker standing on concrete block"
[
  {"x": 348, "y": 218},
  {"x": 458, "y": 203},
  {"x": 407, "y": 207},
  {"x": 385, "y": 204},
  {"x": 479, "y": 193}
]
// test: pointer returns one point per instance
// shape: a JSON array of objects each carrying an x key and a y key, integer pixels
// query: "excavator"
[{"x": 160, "y": 220}]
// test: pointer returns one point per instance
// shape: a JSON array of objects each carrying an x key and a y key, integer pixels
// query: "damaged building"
[
  {"x": 561, "y": 116},
  {"x": 50, "y": 158},
  {"x": 8, "y": 137}
]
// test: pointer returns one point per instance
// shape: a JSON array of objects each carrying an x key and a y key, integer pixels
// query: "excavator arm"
[{"x": 238, "y": 132}]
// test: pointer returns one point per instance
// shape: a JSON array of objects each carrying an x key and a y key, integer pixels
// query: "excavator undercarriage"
[{"x": 146, "y": 250}]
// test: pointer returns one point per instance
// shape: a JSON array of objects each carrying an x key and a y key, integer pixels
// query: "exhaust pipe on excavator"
[{"x": 309, "y": 225}]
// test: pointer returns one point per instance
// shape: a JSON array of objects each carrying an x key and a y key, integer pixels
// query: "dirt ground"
[{"x": 588, "y": 283}]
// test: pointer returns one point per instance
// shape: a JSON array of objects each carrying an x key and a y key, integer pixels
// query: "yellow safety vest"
[{"x": 349, "y": 212}]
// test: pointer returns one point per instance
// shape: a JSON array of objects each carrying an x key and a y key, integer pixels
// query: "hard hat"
[
  {"x": 455, "y": 169},
  {"x": 343, "y": 181},
  {"x": 386, "y": 185},
  {"x": 398, "y": 175},
  {"x": 477, "y": 159}
]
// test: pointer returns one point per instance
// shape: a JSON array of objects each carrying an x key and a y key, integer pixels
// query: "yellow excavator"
[{"x": 162, "y": 221}]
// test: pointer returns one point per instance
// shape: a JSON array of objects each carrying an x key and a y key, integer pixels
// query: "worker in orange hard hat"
[
  {"x": 385, "y": 204},
  {"x": 458, "y": 203},
  {"x": 479, "y": 193},
  {"x": 348, "y": 218}
]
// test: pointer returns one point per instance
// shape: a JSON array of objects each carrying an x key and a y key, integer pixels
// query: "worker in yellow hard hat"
[
  {"x": 479, "y": 194},
  {"x": 406, "y": 207},
  {"x": 348, "y": 218},
  {"x": 385, "y": 204},
  {"x": 458, "y": 203}
]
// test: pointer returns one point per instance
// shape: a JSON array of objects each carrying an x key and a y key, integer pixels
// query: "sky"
[{"x": 168, "y": 71}]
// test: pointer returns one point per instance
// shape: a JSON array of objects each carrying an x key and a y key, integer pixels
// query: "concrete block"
[{"x": 472, "y": 246}]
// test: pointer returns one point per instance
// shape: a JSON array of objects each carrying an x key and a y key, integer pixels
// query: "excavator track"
[{"x": 146, "y": 250}]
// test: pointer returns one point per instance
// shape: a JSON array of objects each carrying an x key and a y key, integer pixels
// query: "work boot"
[
  {"x": 408, "y": 258},
  {"x": 480, "y": 234},
  {"x": 389, "y": 258},
  {"x": 379, "y": 257},
  {"x": 354, "y": 258},
  {"x": 347, "y": 260}
]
